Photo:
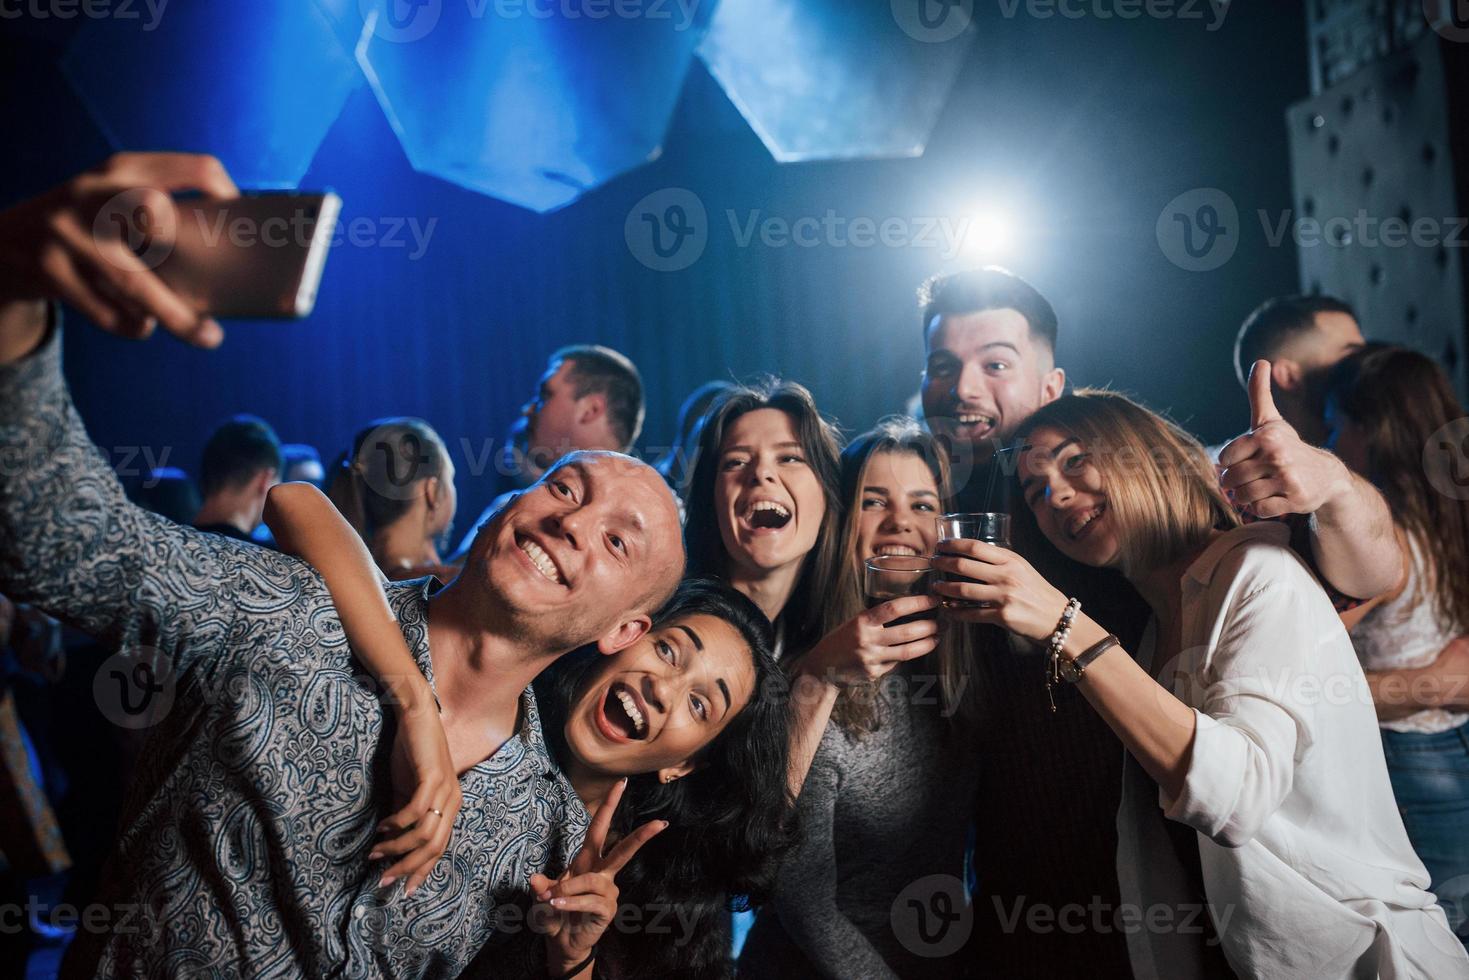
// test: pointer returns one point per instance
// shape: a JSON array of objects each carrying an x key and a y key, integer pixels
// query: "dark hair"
[
  {"x": 168, "y": 491},
  {"x": 238, "y": 449},
  {"x": 729, "y": 821},
  {"x": 373, "y": 485},
  {"x": 1400, "y": 399},
  {"x": 603, "y": 371},
  {"x": 677, "y": 465},
  {"x": 801, "y": 618},
  {"x": 1276, "y": 321},
  {"x": 990, "y": 288}
]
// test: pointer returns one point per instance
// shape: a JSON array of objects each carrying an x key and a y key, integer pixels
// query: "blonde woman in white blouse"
[
  {"x": 1257, "y": 832},
  {"x": 1385, "y": 406}
]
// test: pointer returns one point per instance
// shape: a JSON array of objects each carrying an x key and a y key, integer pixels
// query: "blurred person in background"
[
  {"x": 589, "y": 397},
  {"x": 33, "y": 854},
  {"x": 397, "y": 490},
  {"x": 169, "y": 491},
  {"x": 1384, "y": 408},
  {"x": 1303, "y": 338},
  {"x": 242, "y": 461},
  {"x": 677, "y": 465},
  {"x": 301, "y": 463}
]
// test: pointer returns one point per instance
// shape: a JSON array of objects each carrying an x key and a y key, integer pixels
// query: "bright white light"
[{"x": 989, "y": 235}]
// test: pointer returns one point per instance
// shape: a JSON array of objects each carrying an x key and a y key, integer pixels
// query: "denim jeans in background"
[{"x": 1430, "y": 778}]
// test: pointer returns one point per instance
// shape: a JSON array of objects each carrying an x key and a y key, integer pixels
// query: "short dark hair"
[
  {"x": 990, "y": 288},
  {"x": 1276, "y": 321},
  {"x": 239, "y": 448},
  {"x": 603, "y": 371}
]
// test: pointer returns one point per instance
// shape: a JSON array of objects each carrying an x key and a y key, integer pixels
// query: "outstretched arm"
[
  {"x": 70, "y": 541},
  {"x": 1271, "y": 472},
  {"x": 306, "y": 524},
  {"x": 1352, "y": 539}
]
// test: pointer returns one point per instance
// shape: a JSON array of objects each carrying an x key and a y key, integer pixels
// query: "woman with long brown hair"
[
  {"x": 764, "y": 515},
  {"x": 1257, "y": 821},
  {"x": 1385, "y": 407},
  {"x": 890, "y": 792}
]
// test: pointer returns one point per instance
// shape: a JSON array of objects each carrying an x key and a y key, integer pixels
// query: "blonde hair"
[
  {"x": 857, "y": 707},
  {"x": 1160, "y": 483}
]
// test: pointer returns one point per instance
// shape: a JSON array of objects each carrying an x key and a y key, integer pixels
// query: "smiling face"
[
  {"x": 985, "y": 375},
  {"x": 768, "y": 500},
  {"x": 655, "y": 705},
  {"x": 1064, "y": 490},
  {"x": 898, "y": 507},
  {"x": 594, "y": 544}
]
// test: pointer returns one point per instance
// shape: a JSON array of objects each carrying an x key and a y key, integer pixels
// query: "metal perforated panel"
[
  {"x": 1380, "y": 206},
  {"x": 1348, "y": 35}
]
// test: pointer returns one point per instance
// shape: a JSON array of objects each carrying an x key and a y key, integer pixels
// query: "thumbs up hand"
[
  {"x": 1270, "y": 471},
  {"x": 1262, "y": 402}
]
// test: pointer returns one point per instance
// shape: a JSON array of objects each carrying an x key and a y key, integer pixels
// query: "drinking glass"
[
  {"x": 889, "y": 577},
  {"x": 992, "y": 528}
]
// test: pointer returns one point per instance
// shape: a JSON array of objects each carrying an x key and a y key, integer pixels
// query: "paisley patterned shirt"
[{"x": 243, "y": 850}]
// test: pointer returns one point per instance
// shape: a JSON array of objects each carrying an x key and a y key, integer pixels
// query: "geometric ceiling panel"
[
  {"x": 533, "y": 103},
  {"x": 257, "y": 83},
  {"x": 837, "y": 79}
]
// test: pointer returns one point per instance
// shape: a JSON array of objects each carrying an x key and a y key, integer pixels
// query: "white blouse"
[{"x": 1306, "y": 867}]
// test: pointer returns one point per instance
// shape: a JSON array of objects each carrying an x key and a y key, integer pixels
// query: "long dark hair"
[
  {"x": 729, "y": 821},
  {"x": 801, "y": 618},
  {"x": 1400, "y": 399}
]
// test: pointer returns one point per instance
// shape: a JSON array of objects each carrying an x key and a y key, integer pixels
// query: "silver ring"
[{"x": 437, "y": 813}]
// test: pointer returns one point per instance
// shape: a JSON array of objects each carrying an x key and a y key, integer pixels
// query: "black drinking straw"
[{"x": 989, "y": 490}]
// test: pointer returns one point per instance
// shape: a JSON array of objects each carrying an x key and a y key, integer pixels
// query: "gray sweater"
[{"x": 878, "y": 815}]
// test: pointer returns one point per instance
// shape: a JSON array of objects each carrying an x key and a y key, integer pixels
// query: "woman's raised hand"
[
  {"x": 576, "y": 909},
  {"x": 423, "y": 772},
  {"x": 1015, "y": 595},
  {"x": 863, "y": 649}
]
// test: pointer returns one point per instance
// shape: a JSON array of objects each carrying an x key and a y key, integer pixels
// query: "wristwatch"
[{"x": 1071, "y": 670}]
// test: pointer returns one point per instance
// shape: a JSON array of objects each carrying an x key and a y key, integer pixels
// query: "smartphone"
[{"x": 258, "y": 256}]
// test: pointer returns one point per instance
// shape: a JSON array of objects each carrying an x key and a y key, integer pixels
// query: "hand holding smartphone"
[{"x": 257, "y": 256}]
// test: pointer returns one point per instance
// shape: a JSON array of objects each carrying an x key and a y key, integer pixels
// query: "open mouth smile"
[
  {"x": 767, "y": 515},
  {"x": 623, "y": 715},
  {"x": 539, "y": 559},
  {"x": 975, "y": 424},
  {"x": 1081, "y": 525}
]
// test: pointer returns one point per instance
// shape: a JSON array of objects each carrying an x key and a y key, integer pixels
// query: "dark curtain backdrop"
[{"x": 1083, "y": 129}]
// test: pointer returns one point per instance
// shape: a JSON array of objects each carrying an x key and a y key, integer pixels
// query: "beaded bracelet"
[{"x": 1053, "y": 650}]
